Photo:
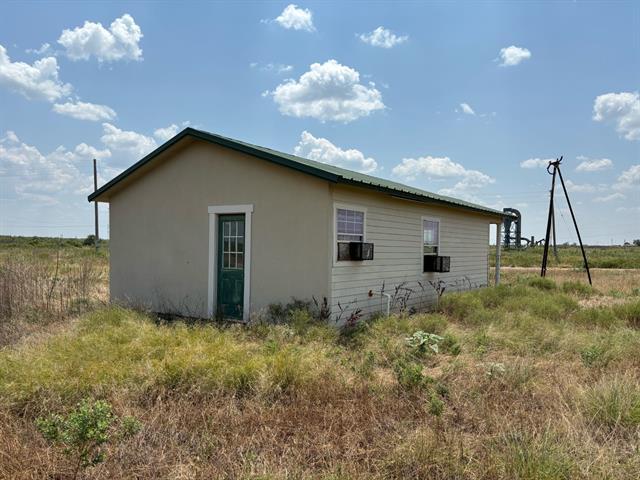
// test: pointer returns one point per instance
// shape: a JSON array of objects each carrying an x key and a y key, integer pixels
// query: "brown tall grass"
[
  {"x": 531, "y": 381},
  {"x": 46, "y": 286}
]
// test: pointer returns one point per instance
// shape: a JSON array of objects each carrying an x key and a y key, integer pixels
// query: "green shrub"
[
  {"x": 450, "y": 345},
  {"x": 409, "y": 375},
  {"x": 595, "y": 356},
  {"x": 603, "y": 317},
  {"x": 85, "y": 430},
  {"x": 541, "y": 283},
  {"x": 630, "y": 313},
  {"x": 423, "y": 342},
  {"x": 436, "y": 405},
  {"x": 577, "y": 288}
]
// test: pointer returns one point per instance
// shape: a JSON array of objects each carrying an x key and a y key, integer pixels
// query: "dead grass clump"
[{"x": 43, "y": 287}]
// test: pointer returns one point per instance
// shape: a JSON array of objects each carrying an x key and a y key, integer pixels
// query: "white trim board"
[{"x": 215, "y": 211}]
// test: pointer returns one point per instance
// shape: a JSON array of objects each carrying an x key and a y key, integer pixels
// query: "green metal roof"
[{"x": 318, "y": 169}]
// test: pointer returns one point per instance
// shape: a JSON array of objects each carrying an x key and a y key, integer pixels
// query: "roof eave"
[{"x": 190, "y": 132}]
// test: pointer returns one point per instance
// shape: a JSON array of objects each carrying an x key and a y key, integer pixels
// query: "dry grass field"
[{"x": 534, "y": 379}]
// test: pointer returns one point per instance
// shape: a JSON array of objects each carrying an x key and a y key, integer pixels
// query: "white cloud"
[
  {"x": 47, "y": 177},
  {"x": 383, "y": 38},
  {"x": 37, "y": 81},
  {"x": 536, "y": 162},
  {"x": 44, "y": 48},
  {"x": 443, "y": 167},
  {"x": 623, "y": 109},
  {"x": 120, "y": 41},
  {"x": 629, "y": 178},
  {"x": 580, "y": 188},
  {"x": 466, "y": 109},
  {"x": 87, "y": 151},
  {"x": 278, "y": 68},
  {"x": 328, "y": 91},
  {"x": 411, "y": 168},
  {"x": 593, "y": 165},
  {"x": 609, "y": 198},
  {"x": 322, "y": 150},
  {"x": 164, "y": 134},
  {"x": 131, "y": 143},
  {"x": 296, "y": 18},
  {"x": 513, "y": 55},
  {"x": 85, "y": 111}
]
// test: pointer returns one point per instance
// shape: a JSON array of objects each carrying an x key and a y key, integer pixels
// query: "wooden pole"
[{"x": 95, "y": 204}]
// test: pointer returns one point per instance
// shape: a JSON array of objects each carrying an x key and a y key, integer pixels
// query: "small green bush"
[
  {"x": 436, "y": 405},
  {"x": 85, "y": 430},
  {"x": 595, "y": 356},
  {"x": 541, "y": 283},
  {"x": 423, "y": 342},
  {"x": 409, "y": 375}
]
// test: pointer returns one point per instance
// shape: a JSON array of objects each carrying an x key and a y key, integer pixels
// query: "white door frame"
[{"x": 214, "y": 212}]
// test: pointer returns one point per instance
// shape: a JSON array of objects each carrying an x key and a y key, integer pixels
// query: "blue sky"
[{"x": 467, "y": 99}]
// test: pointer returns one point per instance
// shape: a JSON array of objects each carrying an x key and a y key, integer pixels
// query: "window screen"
[
  {"x": 431, "y": 236},
  {"x": 350, "y": 225}
]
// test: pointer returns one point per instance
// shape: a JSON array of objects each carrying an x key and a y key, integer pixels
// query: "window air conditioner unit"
[
  {"x": 355, "y": 251},
  {"x": 436, "y": 263}
]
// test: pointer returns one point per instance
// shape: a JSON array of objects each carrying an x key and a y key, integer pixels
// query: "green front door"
[{"x": 230, "y": 266}]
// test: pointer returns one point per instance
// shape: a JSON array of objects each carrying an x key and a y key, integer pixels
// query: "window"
[
  {"x": 350, "y": 225},
  {"x": 349, "y": 228},
  {"x": 431, "y": 236}
]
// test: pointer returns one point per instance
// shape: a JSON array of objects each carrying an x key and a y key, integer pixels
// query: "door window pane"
[{"x": 233, "y": 244}]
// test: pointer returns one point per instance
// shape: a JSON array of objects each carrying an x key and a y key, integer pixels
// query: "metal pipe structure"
[
  {"x": 382, "y": 294},
  {"x": 95, "y": 207},
  {"x": 498, "y": 251}
]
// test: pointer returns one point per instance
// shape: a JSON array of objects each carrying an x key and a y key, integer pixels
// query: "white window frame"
[
  {"x": 431, "y": 219},
  {"x": 214, "y": 212},
  {"x": 347, "y": 206}
]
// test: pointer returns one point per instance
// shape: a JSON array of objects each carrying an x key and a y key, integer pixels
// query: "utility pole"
[
  {"x": 554, "y": 168},
  {"x": 553, "y": 230},
  {"x": 95, "y": 203}
]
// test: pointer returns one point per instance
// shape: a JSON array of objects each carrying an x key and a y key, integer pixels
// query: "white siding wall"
[{"x": 394, "y": 226}]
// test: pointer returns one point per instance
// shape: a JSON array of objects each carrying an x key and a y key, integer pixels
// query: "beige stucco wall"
[{"x": 159, "y": 229}]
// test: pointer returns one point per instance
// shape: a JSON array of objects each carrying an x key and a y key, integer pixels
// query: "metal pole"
[
  {"x": 545, "y": 254},
  {"x": 95, "y": 204},
  {"x": 498, "y": 242},
  {"x": 575, "y": 224}
]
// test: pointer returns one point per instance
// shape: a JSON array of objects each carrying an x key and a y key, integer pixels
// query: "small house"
[{"x": 208, "y": 226}]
